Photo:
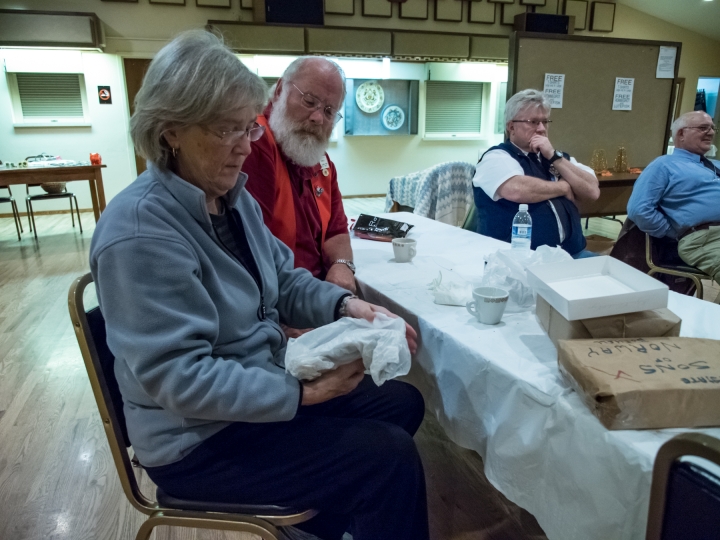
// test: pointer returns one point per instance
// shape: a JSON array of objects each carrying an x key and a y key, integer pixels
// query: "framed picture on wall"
[
  {"x": 550, "y": 7},
  {"x": 602, "y": 17},
  {"x": 414, "y": 9},
  {"x": 509, "y": 11},
  {"x": 340, "y": 7},
  {"x": 448, "y": 10},
  {"x": 578, "y": 9},
  {"x": 502, "y": 1},
  {"x": 213, "y": 3},
  {"x": 169, "y": 2},
  {"x": 376, "y": 8},
  {"x": 481, "y": 12}
]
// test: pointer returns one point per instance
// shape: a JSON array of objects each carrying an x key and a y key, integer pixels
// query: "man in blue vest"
[{"x": 526, "y": 168}]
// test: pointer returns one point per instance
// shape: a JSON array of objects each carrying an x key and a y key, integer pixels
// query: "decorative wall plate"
[
  {"x": 393, "y": 117},
  {"x": 369, "y": 97}
]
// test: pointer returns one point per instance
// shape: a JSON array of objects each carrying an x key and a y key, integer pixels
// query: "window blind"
[
  {"x": 453, "y": 107},
  {"x": 50, "y": 95}
]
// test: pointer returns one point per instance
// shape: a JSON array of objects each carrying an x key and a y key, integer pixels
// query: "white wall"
[
  {"x": 366, "y": 164},
  {"x": 107, "y": 135}
]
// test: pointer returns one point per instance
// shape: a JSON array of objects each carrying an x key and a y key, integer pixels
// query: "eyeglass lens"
[{"x": 311, "y": 102}]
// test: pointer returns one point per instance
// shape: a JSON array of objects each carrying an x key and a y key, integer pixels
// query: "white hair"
[
  {"x": 304, "y": 143},
  {"x": 682, "y": 122},
  {"x": 294, "y": 68},
  {"x": 523, "y": 99},
  {"x": 194, "y": 80}
]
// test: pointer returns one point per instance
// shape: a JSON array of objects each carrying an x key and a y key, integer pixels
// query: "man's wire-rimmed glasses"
[
  {"x": 534, "y": 123},
  {"x": 312, "y": 103},
  {"x": 704, "y": 129},
  {"x": 233, "y": 137}
]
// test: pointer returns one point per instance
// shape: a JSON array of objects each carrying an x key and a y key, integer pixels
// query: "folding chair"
[
  {"x": 685, "y": 271},
  {"x": 262, "y": 520},
  {"x": 15, "y": 213},
  {"x": 62, "y": 194},
  {"x": 685, "y": 496}
]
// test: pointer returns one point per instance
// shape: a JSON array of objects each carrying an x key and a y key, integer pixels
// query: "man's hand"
[
  {"x": 540, "y": 143},
  {"x": 331, "y": 384},
  {"x": 341, "y": 275},
  {"x": 359, "y": 309}
]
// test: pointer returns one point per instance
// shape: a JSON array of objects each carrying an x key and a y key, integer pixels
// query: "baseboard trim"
[{"x": 45, "y": 212}]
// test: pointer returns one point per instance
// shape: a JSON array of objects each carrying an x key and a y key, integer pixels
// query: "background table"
[
  {"x": 497, "y": 390},
  {"x": 40, "y": 175},
  {"x": 615, "y": 193}
]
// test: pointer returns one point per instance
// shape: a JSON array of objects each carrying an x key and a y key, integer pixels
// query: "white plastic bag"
[
  {"x": 506, "y": 269},
  {"x": 381, "y": 344},
  {"x": 450, "y": 293}
]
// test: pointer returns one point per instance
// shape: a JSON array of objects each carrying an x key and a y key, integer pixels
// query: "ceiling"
[{"x": 697, "y": 15}]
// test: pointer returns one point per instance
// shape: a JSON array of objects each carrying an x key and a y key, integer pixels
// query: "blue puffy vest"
[{"x": 494, "y": 218}]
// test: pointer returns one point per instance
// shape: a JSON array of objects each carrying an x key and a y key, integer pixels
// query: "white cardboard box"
[{"x": 596, "y": 287}]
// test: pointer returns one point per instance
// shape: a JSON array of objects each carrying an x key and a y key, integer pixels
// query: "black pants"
[{"x": 351, "y": 458}]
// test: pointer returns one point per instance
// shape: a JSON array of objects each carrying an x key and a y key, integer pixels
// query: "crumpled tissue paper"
[
  {"x": 506, "y": 269},
  {"x": 381, "y": 344},
  {"x": 450, "y": 293}
]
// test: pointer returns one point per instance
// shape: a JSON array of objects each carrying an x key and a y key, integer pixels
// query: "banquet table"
[{"x": 497, "y": 390}]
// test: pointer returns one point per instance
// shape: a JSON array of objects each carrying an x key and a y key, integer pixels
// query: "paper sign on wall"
[
  {"x": 622, "y": 99},
  {"x": 554, "y": 85},
  {"x": 666, "y": 63}
]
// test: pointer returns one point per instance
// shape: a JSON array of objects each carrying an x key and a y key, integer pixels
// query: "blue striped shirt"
[{"x": 674, "y": 193}]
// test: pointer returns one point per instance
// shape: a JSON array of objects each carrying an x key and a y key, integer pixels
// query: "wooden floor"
[{"x": 57, "y": 479}]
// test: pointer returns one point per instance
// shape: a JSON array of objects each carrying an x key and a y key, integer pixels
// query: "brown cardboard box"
[
  {"x": 651, "y": 323},
  {"x": 639, "y": 383}
]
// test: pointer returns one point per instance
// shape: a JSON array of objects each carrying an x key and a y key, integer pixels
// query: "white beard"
[{"x": 300, "y": 143}]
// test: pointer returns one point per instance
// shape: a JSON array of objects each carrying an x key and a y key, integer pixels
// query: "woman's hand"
[
  {"x": 359, "y": 309},
  {"x": 331, "y": 384}
]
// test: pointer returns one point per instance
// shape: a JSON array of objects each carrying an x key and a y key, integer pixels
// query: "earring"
[{"x": 174, "y": 151}]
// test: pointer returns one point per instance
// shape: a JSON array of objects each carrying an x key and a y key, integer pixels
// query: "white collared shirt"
[{"x": 497, "y": 167}]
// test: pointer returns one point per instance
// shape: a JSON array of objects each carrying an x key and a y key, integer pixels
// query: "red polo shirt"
[{"x": 260, "y": 168}]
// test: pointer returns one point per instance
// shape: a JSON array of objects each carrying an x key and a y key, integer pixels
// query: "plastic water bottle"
[{"x": 521, "y": 229}]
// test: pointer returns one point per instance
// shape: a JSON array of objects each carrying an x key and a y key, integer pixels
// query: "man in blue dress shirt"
[{"x": 678, "y": 195}]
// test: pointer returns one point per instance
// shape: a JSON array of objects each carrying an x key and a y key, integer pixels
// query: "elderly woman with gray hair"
[{"x": 193, "y": 286}]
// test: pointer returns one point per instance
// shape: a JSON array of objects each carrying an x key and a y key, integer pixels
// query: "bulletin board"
[{"x": 586, "y": 121}]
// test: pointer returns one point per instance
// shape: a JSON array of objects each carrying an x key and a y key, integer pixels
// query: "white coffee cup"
[
  {"x": 404, "y": 249},
  {"x": 488, "y": 304}
]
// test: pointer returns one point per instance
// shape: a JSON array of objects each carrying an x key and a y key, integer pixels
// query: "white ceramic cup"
[
  {"x": 404, "y": 249},
  {"x": 488, "y": 304}
]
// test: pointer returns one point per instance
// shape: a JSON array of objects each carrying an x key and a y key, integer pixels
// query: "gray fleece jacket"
[{"x": 192, "y": 351}]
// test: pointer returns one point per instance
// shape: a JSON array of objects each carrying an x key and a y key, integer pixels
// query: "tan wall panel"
[
  {"x": 261, "y": 38},
  {"x": 586, "y": 121},
  {"x": 327, "y": 40},
  {"x": 340, "y": 7},
  {"x": 437, "y": 45},
  {"x": 483, "y": 47}
]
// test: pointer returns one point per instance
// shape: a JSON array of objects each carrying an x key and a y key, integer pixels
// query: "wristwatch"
[
  {"x": 557, "y": 155},
  {"x": 349, "y": 264}
]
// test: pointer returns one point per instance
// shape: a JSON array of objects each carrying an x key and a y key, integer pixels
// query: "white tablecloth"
[{"x": 497, "y": 390}]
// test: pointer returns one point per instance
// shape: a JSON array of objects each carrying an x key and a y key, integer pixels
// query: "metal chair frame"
[
  {"x": 685, "y": 444},
  {"x": 682, "y": 271},
  {"x": 262, "y": 524},
  {"x": 15, "y": 213},
  {"x": 45, "y": 196}
]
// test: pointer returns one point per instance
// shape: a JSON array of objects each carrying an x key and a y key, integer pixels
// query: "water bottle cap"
[{"x": 523, "y": 207}]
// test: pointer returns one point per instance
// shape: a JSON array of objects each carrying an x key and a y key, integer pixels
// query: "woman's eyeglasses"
[{"x": 233, "y": 137}]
